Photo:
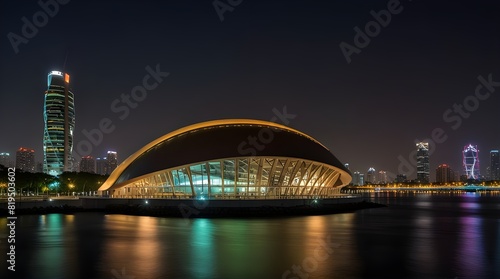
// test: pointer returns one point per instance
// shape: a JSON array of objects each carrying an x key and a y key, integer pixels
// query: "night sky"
[{"x": 263, "y": 55}]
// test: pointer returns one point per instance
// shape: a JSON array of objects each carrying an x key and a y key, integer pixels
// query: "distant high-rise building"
[
  {"x": 444, "y": 174},
  {"x": 382, "y": 177},
  {"x": 370, "y": 176},
  {"x": 59, "y": 119},
  {"x": 111, "y": 162},
  {"x": 494, "y": 165},
  {"x": 470, "y": 156},
  {"x": 423, "y": 168},
  {"x": 5, "y": 160},
  {"x": 25, "y": 159},
  {"x": 87, "y": 164},
  {"x": 100, "y": 166},
  {"x": 358, "y": 179},
  {"x": 401, "y": 178}
]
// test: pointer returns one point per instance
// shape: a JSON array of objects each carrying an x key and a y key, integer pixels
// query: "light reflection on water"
[{"x": 418, "y": 236}]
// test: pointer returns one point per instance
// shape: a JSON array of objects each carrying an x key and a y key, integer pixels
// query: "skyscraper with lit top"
[
  {"x": 370, "y": 176},
  {"x": 494, "y": 165},
  {"x": 423, "y": 167},
  {"x": 5, "y": 159},
  {"x": 111, "y": 161},
  {"x": 87, "y": 164},
  {"x": 444, "y": 174},
  {"x": 25, "y": 159},
  {"x": 59, "y": 120},
  {"x": 470, "y": 156}
]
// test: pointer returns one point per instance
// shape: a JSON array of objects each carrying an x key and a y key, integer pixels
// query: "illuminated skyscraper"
[
  {"x": 494, "y": 165},
  {"x": 444, "y": 174},
  {"x": 87, "y": 164},
  {"x": 382, "y": 177},
  {"x": 59, "y": 119},
  {"x": 471, "y": 161},
  {"x": 346, "y": 165},
  {"x": 358, "y": 179},
  {"x": 111, "y": 162},
  {"x": 370, "y": 176},
  {"x": 100, "y": 166},
  {"x": 5, "y": 159},
  {"x": 423, "y": 168},
  {"x": 25, "y": 159}
]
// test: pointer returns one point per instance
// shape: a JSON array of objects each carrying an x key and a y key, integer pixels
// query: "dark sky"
[{"x": 263, "y": 55}]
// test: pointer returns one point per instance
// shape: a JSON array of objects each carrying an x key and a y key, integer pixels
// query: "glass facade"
[
  {"x": 494, "y": 165},
  {"x": 423, "y": 167},
  {"x": 241, "y": 178},
  {"x": 59, "y": 120}
]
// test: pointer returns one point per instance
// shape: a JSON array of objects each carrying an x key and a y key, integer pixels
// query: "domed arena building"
[{"x": 230, "y": 159}]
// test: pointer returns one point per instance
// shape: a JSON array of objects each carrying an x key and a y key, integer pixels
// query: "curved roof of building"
[{"x": 219, "y": 139}]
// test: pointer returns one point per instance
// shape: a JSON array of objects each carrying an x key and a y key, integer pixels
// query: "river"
[{"x": 419, "y": 235}]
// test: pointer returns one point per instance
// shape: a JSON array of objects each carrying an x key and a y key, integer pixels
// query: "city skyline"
[
  {"x": 109, "y": 163},
  {"x": 413, "y": 81}
]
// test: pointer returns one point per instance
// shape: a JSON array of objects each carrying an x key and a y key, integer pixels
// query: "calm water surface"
[{"x": 417, "y": 236}]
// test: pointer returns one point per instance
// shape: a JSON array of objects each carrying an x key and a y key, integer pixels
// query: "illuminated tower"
[
  {"x": 370, "y": 176},
  {"x": 59, "y": 119},
  {"x": 423, "y": 169},
  {"x": 358, "y": 179},
  {"x": 346, "y": 165},
  {"x": 5, "y": 159},
  {"x": 87, "y": 164},
  {"x": 471, "y": 161},
  {"x": 382, "y": 177},
  {"x": 25, "y": 159},
  {"x": 494, "y": 165},
  {"x": 444, "y": 174},
  {"x": 100, "y": 166},
  {"x": 111, "y": 162}
]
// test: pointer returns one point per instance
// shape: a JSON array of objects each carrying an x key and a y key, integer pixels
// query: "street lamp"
[{"x": 71, "y": 186}]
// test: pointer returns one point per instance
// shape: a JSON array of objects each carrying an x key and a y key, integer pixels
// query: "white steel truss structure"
[{"x": 471, "y": 161}]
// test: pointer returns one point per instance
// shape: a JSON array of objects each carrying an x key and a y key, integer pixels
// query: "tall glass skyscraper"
[
  {"x": 444, "y": 174},
  {"x": 111, "y": 162},
  {"x": 59, "y": 118},
  {"x": 423, "y": 168},
  {"x": 370, "y": 176},
  {"x": 494, "y": 165}
]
